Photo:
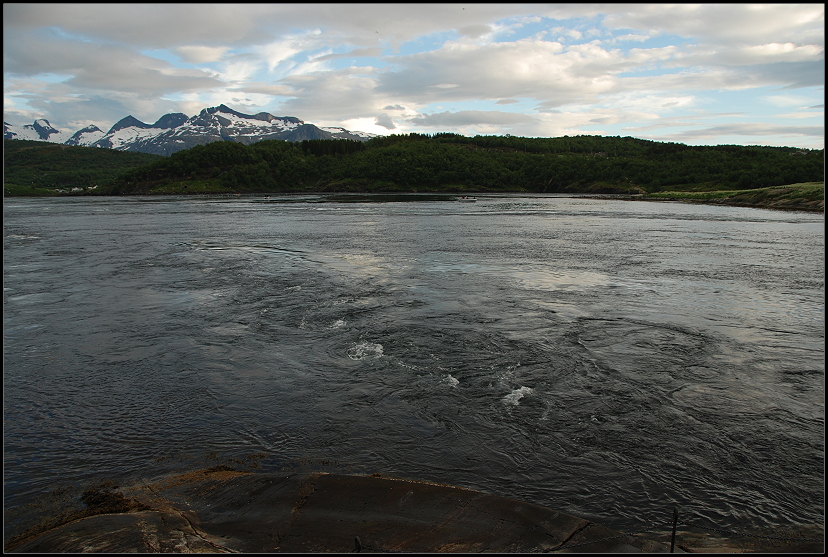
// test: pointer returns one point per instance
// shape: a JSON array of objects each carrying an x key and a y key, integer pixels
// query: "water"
[{"x": 610, "y": 359}]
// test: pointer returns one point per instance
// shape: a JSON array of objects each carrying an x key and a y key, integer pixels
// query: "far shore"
[
  {"x": 809, "y": 206},
  {"x": 808, "y": 196}
]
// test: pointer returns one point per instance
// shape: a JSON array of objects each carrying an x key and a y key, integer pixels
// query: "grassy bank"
[
  {"x": 29, "y": 191},
  {"x": 807, "y": 196}
]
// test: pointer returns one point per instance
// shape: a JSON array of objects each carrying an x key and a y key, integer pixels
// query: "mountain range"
[{"x": 175, "y": 132}]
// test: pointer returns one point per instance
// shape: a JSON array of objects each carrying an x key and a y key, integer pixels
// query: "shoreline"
[
  {"x": 804, "y": 196},
  {"x": 806, "y": 206},
  {"x": 810, "y": 207}
]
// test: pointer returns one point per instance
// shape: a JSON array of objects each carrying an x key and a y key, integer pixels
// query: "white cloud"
[
  {"x": 629, "y": 38},
  {"x": 201, "y": 54},
  {"x": 496, "y": 70},
  {"x": 367, "y": 125},
  {"x": 355, "y": 53},
  {"x": 345, "y": 94},
  {"x": 279, "y": 53},
  {"x": 786, "y": 100},
  {"x": 783, "y": 52},
  {"x": 751, "y": 129},
  {"x": 102, "y": 67},
  {"x": 726, "y": 23},
  {"x": 264, "y": 88},
  {"x": 468, "y": 118},
  {"x": 800, "y": 115}
]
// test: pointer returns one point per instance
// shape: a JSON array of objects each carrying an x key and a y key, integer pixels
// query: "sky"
[{"x": 699, "y": 74}]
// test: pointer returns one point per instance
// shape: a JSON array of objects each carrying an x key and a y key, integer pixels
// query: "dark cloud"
[
  {"x": 796, "y": 74},
  {"x": 474, "y": 31},
  {"x": 385, "y": 121}
]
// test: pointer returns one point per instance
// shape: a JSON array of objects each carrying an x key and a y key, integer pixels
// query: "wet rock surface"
[
  {"x": 229, "y": 511},
  {"x": 221, "y": 510}
]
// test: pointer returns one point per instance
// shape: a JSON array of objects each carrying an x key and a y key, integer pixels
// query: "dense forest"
[{"x": 455, "y": 163}]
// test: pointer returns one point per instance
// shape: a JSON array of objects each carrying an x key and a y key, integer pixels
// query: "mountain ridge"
[{"x": 176, "y": 131}]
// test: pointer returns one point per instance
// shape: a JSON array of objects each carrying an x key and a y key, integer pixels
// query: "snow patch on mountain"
[
  {"x": 128, "y": 136},
  {"x": 10, "y": 131},
  {"x": 40, "y": 130},
  {"x": 85, "y": 137},
  {"x": 342, "y": 131},
  {"x": 280, "y": 124}
]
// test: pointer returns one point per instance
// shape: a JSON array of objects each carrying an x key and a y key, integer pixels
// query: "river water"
[{"x": 609, "y": 359}]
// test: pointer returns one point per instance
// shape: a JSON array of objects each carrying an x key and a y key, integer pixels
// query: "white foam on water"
[
  {"x": 514, "y": 397},
  {"x": 451, "y": 380},
  {"x": 409, "y": 366},
  {"x": 337, "y": 324},
  {"x": 365, "y": 350}
]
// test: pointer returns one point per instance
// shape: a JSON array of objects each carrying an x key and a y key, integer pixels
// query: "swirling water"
[{"x": 610, "y": 359}]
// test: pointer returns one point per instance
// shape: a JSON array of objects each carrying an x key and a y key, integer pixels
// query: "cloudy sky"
[{"x": 701, "y": 74}]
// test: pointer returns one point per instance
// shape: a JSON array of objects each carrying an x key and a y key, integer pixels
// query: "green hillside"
[{"x": 40, "y": 168}]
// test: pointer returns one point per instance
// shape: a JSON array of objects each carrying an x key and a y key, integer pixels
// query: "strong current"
[{"x": 610, "y": 359}]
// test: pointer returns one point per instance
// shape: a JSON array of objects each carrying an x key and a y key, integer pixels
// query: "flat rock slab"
[
  {"x": 229, "y": 511},
  {"x": 226, "y": 511}
]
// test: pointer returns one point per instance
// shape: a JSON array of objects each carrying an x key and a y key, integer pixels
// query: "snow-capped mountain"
[
  {"x": 174, "y": 132},
  {"x": 85, "y": 137},
  {"x": 40, "y": 130}
]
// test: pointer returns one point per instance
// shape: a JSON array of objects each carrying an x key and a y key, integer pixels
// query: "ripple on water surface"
[{"x": 609, "y": 359}]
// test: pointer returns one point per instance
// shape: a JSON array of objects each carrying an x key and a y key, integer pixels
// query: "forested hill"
[
  {"x": 450, "y": 162},
  {"x": 454, "y": 163},
  {"x": 41, "y": 167}
]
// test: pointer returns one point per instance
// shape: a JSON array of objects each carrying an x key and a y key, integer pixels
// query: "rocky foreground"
[{"x": 221, "y": 510}]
